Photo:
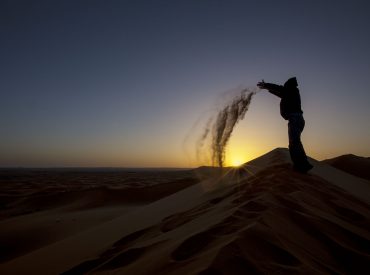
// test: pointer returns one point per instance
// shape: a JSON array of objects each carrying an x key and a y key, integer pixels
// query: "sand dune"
[
  {"x": 261, "y": 218},
  {"x": 40, "y": 207},
  {"x": 352, "y": 164}
]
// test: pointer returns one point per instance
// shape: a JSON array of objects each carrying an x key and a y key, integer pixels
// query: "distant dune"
[
  {"x": 262, "y": 218},
  {"x": 42, "y": 206},
  {"x": 352, "y": 164}
]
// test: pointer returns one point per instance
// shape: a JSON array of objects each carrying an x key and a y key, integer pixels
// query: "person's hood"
[{"x": 291, "y": 82}]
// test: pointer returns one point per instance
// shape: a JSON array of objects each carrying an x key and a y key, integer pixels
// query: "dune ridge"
[
  {"x": 352, "y": 164},
  {"x": 261, "y": 218},
  {"x": 47, "y": 206}
]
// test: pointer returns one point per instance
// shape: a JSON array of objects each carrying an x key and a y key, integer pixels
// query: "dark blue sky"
[{"x": 120, "y": 83}]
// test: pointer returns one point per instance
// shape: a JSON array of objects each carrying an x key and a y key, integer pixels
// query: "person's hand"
[{"x": 261, "y": 85}]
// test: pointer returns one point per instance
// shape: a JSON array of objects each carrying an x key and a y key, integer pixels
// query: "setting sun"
[
  {"x": 236, "y": 159},
  {"x": 236, "y": 162},
  {"x": 237, "y": 154}
]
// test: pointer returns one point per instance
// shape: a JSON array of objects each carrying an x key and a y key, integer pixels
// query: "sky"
[{"x": 128, "y": 83}]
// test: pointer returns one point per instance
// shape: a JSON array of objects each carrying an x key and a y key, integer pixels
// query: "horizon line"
[{"x": 92, "y": 167}]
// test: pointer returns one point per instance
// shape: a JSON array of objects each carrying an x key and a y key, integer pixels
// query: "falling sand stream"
[{"x": 220, "y": 127}]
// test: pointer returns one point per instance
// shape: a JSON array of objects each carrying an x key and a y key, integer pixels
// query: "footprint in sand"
[
  {"x": 123, "y": 259},
  {"x": 200, "y": 242},
  {"x": 192, "y": 246},
  {"x": 174, "y": 221},
  {"x": 117, "y": 254}
]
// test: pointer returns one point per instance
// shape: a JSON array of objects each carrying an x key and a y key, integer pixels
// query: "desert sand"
[
  {"x": 262, "y": 218},
  {"x": 352, "y": 164}
]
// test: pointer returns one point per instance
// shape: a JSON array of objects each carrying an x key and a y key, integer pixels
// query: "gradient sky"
[{"x": 122, "y": 83}]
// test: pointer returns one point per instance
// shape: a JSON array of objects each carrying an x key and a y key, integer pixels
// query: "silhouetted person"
[{"x": 290, "y": 109}]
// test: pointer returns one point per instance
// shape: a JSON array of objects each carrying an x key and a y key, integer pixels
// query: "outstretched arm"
[{"x": 272, "y": 88}]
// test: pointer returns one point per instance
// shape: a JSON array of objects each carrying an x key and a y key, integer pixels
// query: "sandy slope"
[
  {"x": 40, "y": 207},
  {"x": 352, "y": 164},
  {"x": 262, "y": 218}
]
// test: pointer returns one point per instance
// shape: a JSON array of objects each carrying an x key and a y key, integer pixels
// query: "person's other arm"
[{"x": 272, "y": 88}]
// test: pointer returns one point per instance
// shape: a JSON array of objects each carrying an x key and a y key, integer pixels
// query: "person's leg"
[{"x": 297, "y": 153}]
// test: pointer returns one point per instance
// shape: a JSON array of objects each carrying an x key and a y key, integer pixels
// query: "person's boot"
[{"x": 303, "y": 168}]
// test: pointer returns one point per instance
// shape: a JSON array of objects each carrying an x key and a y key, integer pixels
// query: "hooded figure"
[{"x": 290, "y": 109}]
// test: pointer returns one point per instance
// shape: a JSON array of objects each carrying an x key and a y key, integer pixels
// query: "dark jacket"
[{"x": 290, "y": 99}]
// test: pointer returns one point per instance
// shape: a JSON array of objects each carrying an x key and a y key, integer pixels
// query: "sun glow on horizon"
[
  {"x": 237, "y": 154},
  {"x": 236, "y": 159},
  {"x": 236, "y": 162}
]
